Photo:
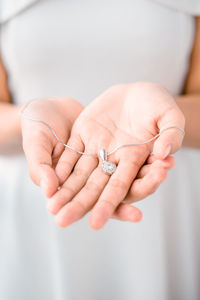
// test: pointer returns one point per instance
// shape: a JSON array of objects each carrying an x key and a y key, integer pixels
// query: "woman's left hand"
[{"x": 124, "y": 114}]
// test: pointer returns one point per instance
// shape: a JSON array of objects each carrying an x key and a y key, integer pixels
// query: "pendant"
[{"x": 107, "y": 166}]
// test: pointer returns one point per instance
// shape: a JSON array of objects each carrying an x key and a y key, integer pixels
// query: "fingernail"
[{"x": 167, "y": 151}]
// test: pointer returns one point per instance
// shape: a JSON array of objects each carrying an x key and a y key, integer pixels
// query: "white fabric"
[
  {"x": 79, "y": 48},
  {"x": 188, "y": 6},
  {"x": 10, "y": 8}
]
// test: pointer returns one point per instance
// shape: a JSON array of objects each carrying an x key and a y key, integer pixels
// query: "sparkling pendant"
[{"x": 107, "y": 166}]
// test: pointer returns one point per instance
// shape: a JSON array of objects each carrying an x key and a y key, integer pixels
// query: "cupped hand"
[
  {"x": 123, "y": 114},
  {"x": 41, "y": 148}
]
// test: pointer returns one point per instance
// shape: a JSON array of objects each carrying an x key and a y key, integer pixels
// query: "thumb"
[
  {"x": 171, "y": 127},
  {"x": 38, "y": 152}
]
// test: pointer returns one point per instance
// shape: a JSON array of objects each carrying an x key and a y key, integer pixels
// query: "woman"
[{"x": 48, "y": 56}]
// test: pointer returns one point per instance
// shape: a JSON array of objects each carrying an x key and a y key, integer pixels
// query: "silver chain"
[{"x": 90, "y": 154}]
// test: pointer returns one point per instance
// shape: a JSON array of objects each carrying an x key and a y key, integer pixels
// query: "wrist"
[
  {"x": 16, "y": 121},
  {"x": 10, "y": 126},
  {"x": 190, "y": 106}
]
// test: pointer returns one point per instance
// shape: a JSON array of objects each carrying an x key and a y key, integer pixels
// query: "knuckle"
[
  {"x": 109, "y": 204},
  {"x": 82, "y": 205},
  {"x": 91, "y": 185},
  {"x": 79, "y": 172},
  {"x": 135, "y": 164},
  {"x": 68, "y": 191},
  {"x": 65, "y": 164},
  {"x": 118, "y": 184}
]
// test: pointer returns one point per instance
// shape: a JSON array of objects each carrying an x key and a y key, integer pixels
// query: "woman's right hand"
[
  {"x": 41, "y": 148},
  {"x": 124, "y": 114}
]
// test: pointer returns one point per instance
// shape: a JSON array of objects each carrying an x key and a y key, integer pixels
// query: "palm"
[
  {"x": 122, "y": 115},
  {"x": 118, "y": 117}
]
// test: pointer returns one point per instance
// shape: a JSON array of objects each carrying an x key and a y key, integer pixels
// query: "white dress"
[{"x": 79, "y": 48}]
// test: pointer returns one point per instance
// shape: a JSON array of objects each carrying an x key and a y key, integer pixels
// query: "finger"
[
  {"x": 147, "y": 185},
  {"x": 167, "y": 163},
  {"x": 114, "y": 193},
  {"x": 74, "y": 183},
  {"x": 170, "y": 140},
  {"x": 84, "y": 200},
  {"x": 127, "y": 212},
  {"x": 152, "y": 158},
  {"x": 38, "y": 148},
  {"x": 69, "y": 158},
  {"x": 87, "y": 197}
]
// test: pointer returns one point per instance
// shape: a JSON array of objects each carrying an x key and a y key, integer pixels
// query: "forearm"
[
  {"x": 9, "y": 123},
  {"x": 190, "y": 106}
]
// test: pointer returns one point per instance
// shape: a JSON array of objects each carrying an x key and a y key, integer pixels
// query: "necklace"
[{"x": 107, "y": 166}]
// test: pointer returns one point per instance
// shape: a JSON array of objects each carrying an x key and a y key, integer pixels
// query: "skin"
[
  {"x": 43, "y": 151},
  {"x": 189, "y": 102},
  {"x": 123, "y": 114},
  {"x": 41, "y": 148},
  {"x": 9, "y": 130},
  {"x": 157, "y": 169}
]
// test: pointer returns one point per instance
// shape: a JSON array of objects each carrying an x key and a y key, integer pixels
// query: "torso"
[{"x": 79, "y": 48}]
